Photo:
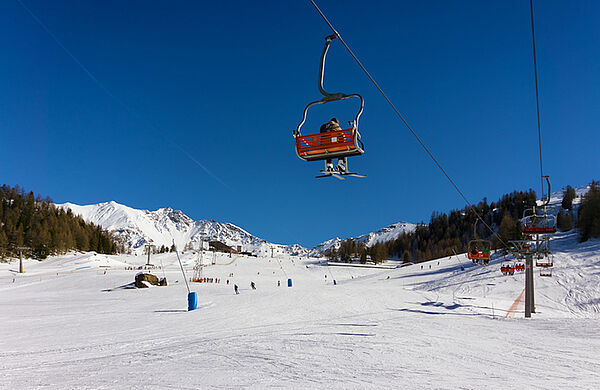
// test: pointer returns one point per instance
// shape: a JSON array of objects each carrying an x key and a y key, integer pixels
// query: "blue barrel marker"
[
  {"x": 192, "y": 301},
  {"x": 289, "y": 282}
]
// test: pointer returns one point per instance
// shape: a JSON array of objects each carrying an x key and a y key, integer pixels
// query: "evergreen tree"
[
  {"x": 3, "y": 244},
  {"x": 406, "y": 256},
  {"x": 588, "y": 221},
  {"x": 363, "y": 256},
  {"x": 379, "y": 252},
  {"x": 564, "y": 221},
  {"x": 567, "y": 201},
  {"x": 347, "y": 249},
  {"x": 509, "y": 230},
  {"x": 332, "y": 254}
]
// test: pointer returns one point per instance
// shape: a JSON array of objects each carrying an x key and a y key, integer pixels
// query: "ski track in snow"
[{"x": 432, "y": 328}]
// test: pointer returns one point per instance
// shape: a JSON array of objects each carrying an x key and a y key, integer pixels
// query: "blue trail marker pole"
[{"x": 192, "y": 299}]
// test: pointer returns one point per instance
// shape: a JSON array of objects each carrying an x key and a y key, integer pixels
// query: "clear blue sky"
[{"x": 226, "y": 82}]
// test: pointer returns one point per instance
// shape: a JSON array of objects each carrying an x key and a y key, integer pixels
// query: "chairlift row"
[{"x": 508, "y": 268}]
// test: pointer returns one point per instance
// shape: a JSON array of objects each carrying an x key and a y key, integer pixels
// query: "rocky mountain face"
[{"x": 136, "y": 228}]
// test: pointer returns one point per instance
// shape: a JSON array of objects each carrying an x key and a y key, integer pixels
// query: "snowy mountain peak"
[
  {"x": 387, "y": 233},
  {"x": 136, "y": 228}
]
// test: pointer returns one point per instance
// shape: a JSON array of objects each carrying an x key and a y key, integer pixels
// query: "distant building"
[{"x": 221, "y": 247}]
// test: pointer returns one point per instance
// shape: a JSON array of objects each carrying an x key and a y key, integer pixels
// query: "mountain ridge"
[{"x": 138, "y": 227}]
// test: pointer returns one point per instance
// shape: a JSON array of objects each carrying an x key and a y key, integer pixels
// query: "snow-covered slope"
[
  {"x": 139, "y": 227},
  {"x": 68, "y": 323}
]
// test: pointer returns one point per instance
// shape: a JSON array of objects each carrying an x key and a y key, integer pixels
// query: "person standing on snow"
[{"x": 235, "y": 288}]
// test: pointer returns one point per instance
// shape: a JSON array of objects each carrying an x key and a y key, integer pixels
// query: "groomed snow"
[{"x": 66, "y": 323}]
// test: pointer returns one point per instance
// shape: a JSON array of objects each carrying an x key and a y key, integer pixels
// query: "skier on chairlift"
[{"x": 332, "y": 125}]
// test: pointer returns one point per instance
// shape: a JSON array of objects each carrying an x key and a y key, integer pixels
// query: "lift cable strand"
[
  {"x": 537, "y": 99},
  {"x": 405, "y": 122}
]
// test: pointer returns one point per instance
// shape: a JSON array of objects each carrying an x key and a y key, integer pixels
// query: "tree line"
[
  {"x": 31, "y": 221},
  {"x": 453, "y": 231}
]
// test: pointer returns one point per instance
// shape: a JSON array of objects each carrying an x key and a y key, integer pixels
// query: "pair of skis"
[{"x": 338, "y": 174}]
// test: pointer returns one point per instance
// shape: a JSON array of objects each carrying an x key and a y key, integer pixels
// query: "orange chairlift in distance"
[
  {"x": 536, "y": 222},
  {"x": 339, "y": 144},
  {"x": 478, "y": 249}
]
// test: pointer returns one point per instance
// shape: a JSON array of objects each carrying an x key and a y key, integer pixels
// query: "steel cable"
[
  {"x": 429, "y": 153},
  {"x": 537, "y": 100}
]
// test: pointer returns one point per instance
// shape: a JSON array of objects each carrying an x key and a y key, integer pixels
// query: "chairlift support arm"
[{"x": 330, "y": 97}]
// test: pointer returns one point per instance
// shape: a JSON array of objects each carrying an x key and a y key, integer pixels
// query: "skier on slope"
[
  {"x": 235, "y": 288},
  {"x": 253, "y": 285}
]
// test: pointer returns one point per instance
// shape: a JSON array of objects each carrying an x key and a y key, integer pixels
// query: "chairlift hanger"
[
  {"x": 339, "y": 144},
  {"x": 536, "y": 221}
]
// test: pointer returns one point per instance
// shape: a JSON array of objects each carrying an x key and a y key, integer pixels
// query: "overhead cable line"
[
  {"x": 537, "y": 99},
  {"x": 114, "y": 97},
  {"x": 429, "y": 153}
]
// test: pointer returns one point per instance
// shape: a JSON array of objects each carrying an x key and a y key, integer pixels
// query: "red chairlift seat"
[
  {"x": 520, "y": 267},
  {"x": 546, "y": 272},
  {"x": 333, "y": 144},
  {"x": 544, "y": 263},
  {"x": 479, "y": 255},
  {"x": 539, "y": 230},
  {"x": 507, "y": 269}
]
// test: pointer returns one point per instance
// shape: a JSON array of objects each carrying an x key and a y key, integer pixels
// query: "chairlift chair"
[
  {"x": 544, "y": 262},
  {"x": 474, "y": 254},
  {"x": 339, "y": 144},
  {"x": 546, "y": 272},
  {"x": 507, "y": 268},
  {"x": 536, "y": 221},
  {"x": 520, "y": 266},
  {"x": 539, "y": 223},
  {"x": 478, "y": 249}
]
